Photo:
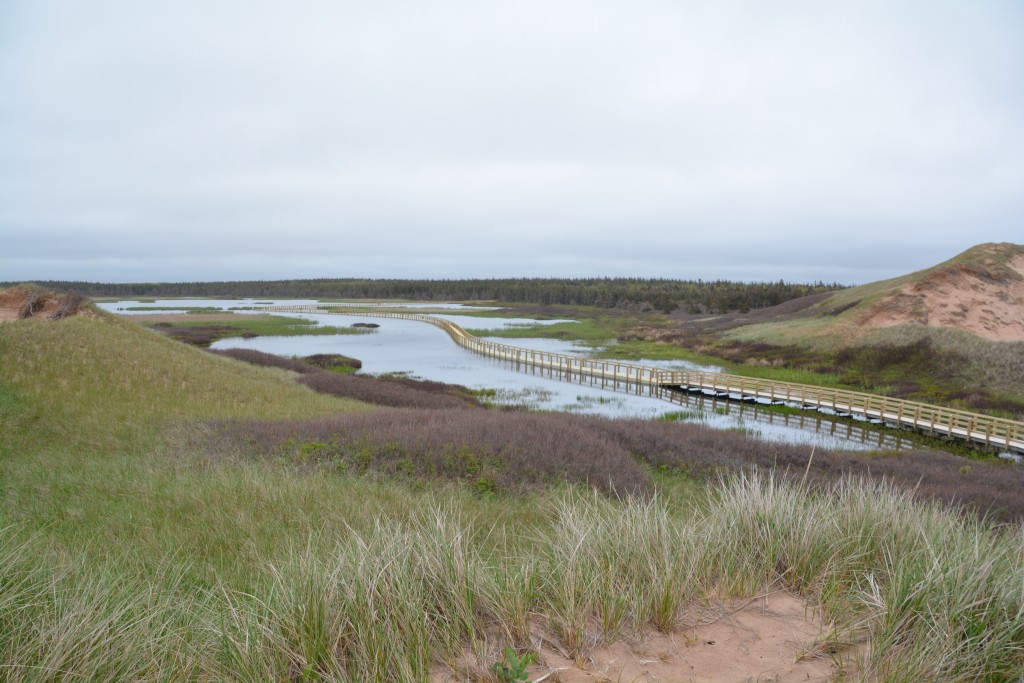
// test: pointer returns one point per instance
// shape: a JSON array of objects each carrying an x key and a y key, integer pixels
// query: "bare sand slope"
[
  {"x": 985, "y": 298},
  {"x": 775, "y": 637}
]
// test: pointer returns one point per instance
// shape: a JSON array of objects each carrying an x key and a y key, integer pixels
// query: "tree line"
[{"x": 693, "y": 296}]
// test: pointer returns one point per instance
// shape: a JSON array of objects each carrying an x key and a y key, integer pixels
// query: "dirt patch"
[
  {"x": 25, "y": 301},
  {"x": 776, "y": 637},
  {"x": 960, "y": 296}
]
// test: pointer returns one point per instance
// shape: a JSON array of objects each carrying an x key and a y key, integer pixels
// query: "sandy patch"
[
  {"x": 775, "y": 638},
  {"x": 11, "y": 308},
  {"x": 958, "y": 297}
]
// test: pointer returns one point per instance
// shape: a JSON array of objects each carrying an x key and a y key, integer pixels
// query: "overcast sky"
[{"x": 215, "y": 140}]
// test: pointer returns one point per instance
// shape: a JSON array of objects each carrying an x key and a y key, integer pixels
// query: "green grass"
[
  {"x": 592, "y": 327},
  {"x": 126, "y": 553},
  {"x": 191, "y": 310},
  {"x": 90, "y": 380},
  {"x": 576, "y": 331},
  {"x": 270, "y": 326}
]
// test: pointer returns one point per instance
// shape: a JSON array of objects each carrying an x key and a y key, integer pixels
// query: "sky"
[{"x": 185, "y": 140}]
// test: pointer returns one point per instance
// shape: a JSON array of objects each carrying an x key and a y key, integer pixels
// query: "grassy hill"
[
  {"x": 98, "y": 376},
  {"x": 986, "y": 276},
  {"x": 128, "y": 552},
  {"x": 950, "y": 334}
]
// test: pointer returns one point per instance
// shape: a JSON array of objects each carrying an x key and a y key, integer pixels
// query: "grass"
[
  {"x": 584, "y": 330},
  {"x": 201, "y": 332},
  {"x": 129, "y": 550},
  {"x": 189, "y": 310},
  {"x": 938, "y": 594}
]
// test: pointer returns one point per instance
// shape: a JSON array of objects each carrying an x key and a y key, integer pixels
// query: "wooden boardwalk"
[{"x": 993, "y": 432}]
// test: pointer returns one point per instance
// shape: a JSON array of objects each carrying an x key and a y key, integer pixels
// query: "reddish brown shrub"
[
  {"x": 510, "y": 450},
  {"x": 491, "y": 449},
  {"x": 395, "y": 393},
  {"x": 269, "y": 360}
]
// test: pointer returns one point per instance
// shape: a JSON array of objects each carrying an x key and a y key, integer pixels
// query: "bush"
[
  {"x": 334, "y": 362},
  {"x": 505, "y": 450},
  {"x": 267, "y": 360},
  {"x": 395, "y": 393},
  {"x": 68, "y": 305}
]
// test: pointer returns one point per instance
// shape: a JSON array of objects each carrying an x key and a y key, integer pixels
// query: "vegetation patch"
[
  {"x": 267, "y": 360},
  {"x": 492, "y": 450},
  {"x": 399, "y": 392},
  {"x": 187, "y": 310},
  {"x": 518, "y": 450},
  {"x": 932, "y": 595},
  {"x": 203, "y": 333},
  {"x": 335, "y": 362}
]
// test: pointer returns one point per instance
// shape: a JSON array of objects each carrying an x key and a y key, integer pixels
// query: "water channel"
[{"x": 427, "y": 352}]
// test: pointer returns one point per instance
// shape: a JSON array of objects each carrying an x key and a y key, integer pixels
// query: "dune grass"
[
  {"x": 126, "y": 555},
  {"x": 418, "y": 583}
]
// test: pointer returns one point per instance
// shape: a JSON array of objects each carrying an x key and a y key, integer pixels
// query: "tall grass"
[{"x": 937, "y": 595}]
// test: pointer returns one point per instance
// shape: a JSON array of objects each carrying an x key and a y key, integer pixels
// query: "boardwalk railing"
[{"x": 959, "y": 424}]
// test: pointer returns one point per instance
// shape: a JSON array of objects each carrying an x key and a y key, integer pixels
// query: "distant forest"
[{"x": 693, "y": 296}]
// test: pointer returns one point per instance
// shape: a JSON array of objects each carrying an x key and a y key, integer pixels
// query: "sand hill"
[{"x": 980, "y": 291}]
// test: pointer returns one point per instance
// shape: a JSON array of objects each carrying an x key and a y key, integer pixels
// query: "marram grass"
[{"x": 938, "y": 596}]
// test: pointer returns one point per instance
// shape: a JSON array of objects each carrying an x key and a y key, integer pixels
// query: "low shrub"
[
  {"x": 68, "y": 304},
  {"x": 334, "y": 362},
  {"x": 267, "y": 360},
  {"x": 33, "y": 299},
  {"x": 395, "y": 393},
  {"x": 517, "y": 450},
  {"x": 493, "y": 450}
]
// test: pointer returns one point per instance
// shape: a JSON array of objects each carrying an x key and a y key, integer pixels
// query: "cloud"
[{"x": 839, "y": 141}]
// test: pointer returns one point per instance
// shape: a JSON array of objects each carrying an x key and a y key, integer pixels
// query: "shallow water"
[
  {"x": 427, "y": 352},
  {"x": 182, "y": 305}
]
